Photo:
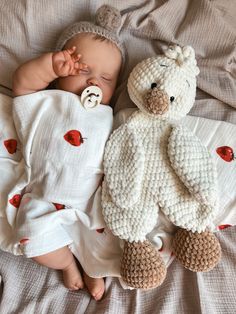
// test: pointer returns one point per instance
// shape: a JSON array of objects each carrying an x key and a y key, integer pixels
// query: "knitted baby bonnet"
[{"x": 107, "y": 22}]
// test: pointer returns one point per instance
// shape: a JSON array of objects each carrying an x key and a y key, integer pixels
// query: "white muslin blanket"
[
  {"x": 45, "y": 203},
  {"x": 52, "y": 168}
]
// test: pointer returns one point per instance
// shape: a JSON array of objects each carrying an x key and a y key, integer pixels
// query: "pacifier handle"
[{"x": 91, "y": 97}]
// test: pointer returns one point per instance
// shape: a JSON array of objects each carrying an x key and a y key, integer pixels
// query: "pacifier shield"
[{"x": 91, "y": 97}]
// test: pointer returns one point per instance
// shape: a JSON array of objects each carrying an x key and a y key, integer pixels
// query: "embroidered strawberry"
[
  {"x": 222, "y": 227},
  {"x": 24, "y": 241},
  {"x": 59, "y": 206},
  {"x": 11, "y": 145},
  {"x": 74, "y": 137},
  {"x": 15, "y": 200},
  {"x": 226, "y": 153},
  {"x": 100, "y": 230}
]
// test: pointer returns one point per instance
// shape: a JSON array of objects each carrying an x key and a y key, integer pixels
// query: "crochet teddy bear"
[{"x": 153, "y": 163}]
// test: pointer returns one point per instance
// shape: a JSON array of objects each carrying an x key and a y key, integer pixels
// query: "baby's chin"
[{"x": 103, "y": 102}]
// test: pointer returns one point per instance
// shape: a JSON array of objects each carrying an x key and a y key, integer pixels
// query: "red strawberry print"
[
  {"x": 74, "y": 137},
  {"x": 222, "y": 227},
  {"x": 11, "y": 145},
  {"x": 15, "y": 200},
  {"x": 24, "y": 241},
  {"x": 59, "y": 206},
  {"x": 100, "y": 230},
  {"x": 226, "y": 153}
]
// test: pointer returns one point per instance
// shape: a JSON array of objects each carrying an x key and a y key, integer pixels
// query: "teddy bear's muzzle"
[{"x": 156, "y": 101}]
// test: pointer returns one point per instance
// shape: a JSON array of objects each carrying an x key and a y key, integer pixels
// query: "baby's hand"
[{"x": 66, "y": 62}]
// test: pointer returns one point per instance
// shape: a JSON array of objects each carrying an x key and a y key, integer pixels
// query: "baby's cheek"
[
  {"x": 107, "y": 94},
  {"x": 71, "y": 84}
]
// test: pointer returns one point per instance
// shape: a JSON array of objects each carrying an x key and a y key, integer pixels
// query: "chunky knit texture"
[
  {"x": 142, "y": 266},
  {"x": 156, "y": 101},
  {"x": 196, "y": 251},
  {"x": 177, "y": 79},
  {"x": 153, "y": 163}
]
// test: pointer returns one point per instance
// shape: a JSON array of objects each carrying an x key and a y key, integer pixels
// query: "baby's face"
[{"x": 103, "y": 60}]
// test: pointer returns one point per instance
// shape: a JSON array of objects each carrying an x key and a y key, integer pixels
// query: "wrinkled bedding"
[
  {"x": 101, "y": 258},
  {"x": 147, "y": 26}
]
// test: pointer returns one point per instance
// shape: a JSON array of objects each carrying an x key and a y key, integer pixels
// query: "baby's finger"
[
  {"x": 78, "y": 68},
  {"x": 66, "y": 68},
  {"x": 76, "y": 57},
  {"x": 71, "y": 50},
  {"x": 82, "y": 66}
]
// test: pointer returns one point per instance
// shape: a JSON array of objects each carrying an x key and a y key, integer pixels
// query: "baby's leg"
[
  {"x": 64, "y": 260},
  {"x": 96, "y": 286}
]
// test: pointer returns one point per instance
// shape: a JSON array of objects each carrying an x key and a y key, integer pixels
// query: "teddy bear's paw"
[
  {"x": 142, "y": 266},
  {"x": 198, "y": 252}
]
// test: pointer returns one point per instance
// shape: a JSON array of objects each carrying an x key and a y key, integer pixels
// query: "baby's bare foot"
[
  {"x": 72, "y": 277},
  {"x": 96, "y": 286}
]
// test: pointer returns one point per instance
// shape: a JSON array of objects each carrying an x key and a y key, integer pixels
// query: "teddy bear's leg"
[
  {"x": 142, "y": 265},
  {"x": 196, "y": 251}
]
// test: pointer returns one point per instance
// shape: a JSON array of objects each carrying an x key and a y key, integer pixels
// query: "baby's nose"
[{"x": 93, "y": 81}]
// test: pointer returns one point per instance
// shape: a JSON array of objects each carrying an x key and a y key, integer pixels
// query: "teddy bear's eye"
[
  {"x": 172, "y": 98},
  {"x": 153, "y": 85}
]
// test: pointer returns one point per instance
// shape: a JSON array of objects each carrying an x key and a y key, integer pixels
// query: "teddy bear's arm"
[
  {"x": 123, "y": 166},
  {"x": 194, "y": 165}
]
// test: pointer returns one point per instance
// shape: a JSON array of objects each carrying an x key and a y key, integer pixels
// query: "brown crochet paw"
[
  {"x": 196, "y": 251},
  {"x": 142, "y": 266}
]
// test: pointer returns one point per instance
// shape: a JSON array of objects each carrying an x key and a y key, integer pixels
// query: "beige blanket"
[{"x": 28, "y": 28}]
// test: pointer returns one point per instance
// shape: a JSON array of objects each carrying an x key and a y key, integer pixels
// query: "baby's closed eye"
[
  {"x": 85, "y": 71},
  {"x": 106, "y": 78}
]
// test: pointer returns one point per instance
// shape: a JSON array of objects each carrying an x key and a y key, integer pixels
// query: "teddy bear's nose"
[{"x": 156, "y": 101}]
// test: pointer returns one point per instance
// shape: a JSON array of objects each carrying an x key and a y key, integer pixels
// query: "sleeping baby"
[{"x": 63, "y": 133}]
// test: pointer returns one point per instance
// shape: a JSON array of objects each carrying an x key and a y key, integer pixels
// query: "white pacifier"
[{"x": 91, "y": 97}]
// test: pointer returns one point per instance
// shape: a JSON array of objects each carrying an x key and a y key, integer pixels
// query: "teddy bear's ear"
[{"x": 184, "y": 56}]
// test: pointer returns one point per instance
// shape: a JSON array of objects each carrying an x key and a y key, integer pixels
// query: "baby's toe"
[
  {"x": 73, "y": 288},
  {"x": 95, "y": 286},
  {"x": 98, "y": 295},
  {"x": 79, "y": 285}
]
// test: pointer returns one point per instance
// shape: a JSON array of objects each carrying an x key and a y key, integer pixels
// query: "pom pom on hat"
[{"x": 108, "y": 17}]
